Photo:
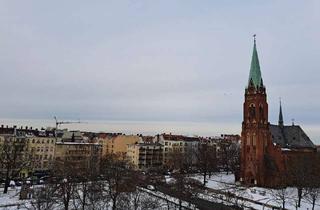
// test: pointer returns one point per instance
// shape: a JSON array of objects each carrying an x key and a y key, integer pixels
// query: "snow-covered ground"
[
  {"x": 10, "y": 201},
  {"x": 219, "y": 181},
  {"x": 12, "y": 197},
  {"x": 226, "y": 183}
]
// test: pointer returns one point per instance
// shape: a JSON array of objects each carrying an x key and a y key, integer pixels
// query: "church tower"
[{"x": 255, "y": 135}]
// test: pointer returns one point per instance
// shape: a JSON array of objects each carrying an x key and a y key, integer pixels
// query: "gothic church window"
[
  {"x": 248, "y": 140},
  {"x": 261, "y": 111},
  {"x": 252, "y": 111}
]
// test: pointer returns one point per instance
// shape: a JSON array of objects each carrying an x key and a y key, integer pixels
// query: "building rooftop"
[
  {"x": 290, "y": 137},
  {"x": 179, "y": 137}
]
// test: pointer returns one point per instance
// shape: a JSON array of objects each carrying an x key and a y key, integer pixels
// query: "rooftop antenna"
[{"x": 292, "y": 121}]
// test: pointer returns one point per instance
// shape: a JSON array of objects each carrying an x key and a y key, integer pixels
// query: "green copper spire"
[
  {"x": 280, "y": 115},
  {"x": 255, "y": 73}
]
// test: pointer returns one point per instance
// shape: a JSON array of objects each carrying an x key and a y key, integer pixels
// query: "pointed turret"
[
  {"x": 255, "y": 78},
  {"x": 280, "y": 122}
]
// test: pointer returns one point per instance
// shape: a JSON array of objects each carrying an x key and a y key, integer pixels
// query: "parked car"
[{"x": 151, "y": 187}]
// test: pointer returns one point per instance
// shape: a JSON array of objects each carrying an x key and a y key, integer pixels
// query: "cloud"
[{"x": 141, "y": 60}]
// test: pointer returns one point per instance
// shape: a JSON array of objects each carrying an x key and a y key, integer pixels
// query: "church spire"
[
  {"x": 280, "y": 115},
  {"x": 255, "y": 73}
]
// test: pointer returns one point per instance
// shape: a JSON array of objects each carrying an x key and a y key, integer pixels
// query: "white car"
[{"x": 151, "y": 187}]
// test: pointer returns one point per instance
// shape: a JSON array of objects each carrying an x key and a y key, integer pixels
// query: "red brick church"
[{"x": 266, "y": 148}]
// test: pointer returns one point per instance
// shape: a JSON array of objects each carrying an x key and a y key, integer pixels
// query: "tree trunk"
[
  {"x": 313, "y": 203},
  {"x": 299, "y": 196},
  {"x": 84, "y": 203},
  {"x": 204, "y": 178},
  {"x": 66, "y": 205},
  {"x": 7, "y": 181},
  {"x": 283, "y": 204},
  {"x": 6, "y": 185},
  {"x": 84, "y": 195},
  {"x": 114, "y": 203}
]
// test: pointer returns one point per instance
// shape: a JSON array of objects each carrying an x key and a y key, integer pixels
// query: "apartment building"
[
  {"x": 41, "y": 147},
  {"x": 13, "y": 142},
  {"x": 82, "y": 156},
  {"x": 104, "y": 140},
  {"x": 119, "y": 144},
  {"x": 177, "y": 143},
  {"x": 145, "y": 155}
]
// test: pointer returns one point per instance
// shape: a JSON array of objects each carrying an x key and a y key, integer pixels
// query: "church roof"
[
  {"x": 290, "y": 137},
  {"x": 255, "y": 73}
]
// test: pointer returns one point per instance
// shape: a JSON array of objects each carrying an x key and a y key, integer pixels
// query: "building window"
[
  {"x": 248, "y": 140},
  {"x": 261, "y": 112},
  {"x": 252, "y": 111}
]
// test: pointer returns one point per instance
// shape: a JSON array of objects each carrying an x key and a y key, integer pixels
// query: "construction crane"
[{"x": 64, "y": 122}]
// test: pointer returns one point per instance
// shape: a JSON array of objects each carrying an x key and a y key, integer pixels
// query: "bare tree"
[
  {"x": 178, "y": 161},
  {"x": 233, "y": 160},
  {"x": 312, "y": 195},
  {"x": 42, "y": 198},
  {"x": 67, "y": 174},
  {"x": 119, "y": 176},
  {"x": 87, "y": 182},
  {"x": 96, "y": 199},
  {"x": 206, "y": 161},
  {"x": 14, "y": 158},
  {"x": 149, "y": 203},
  {"x": 282, "y": 195},
  {"x": 313, "y": 181},
  {"x": 185, "y": 188},
  {"x": 229, "y": 157},
  {"x": 299, "y": 173}
]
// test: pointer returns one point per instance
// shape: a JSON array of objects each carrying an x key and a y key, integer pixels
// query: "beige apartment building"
[
  {"x": 119, "y": 144},
  {"x": 78, "y": 155},
  {"x": 34, "y": 149},
  {"x": 104, "y": 140},
  {"x": 145, "y": 155},
  {"x": 13, "y": 142},
  {"x": 41, "y": 147}
]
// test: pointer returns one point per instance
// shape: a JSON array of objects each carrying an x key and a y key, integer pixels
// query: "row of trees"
[
  {"x": 300, "y": 181},
  {"x": 206, "y": 159},
  {"x": 115, "y": 186}
]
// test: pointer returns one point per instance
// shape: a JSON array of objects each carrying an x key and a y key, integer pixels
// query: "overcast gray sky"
[{"x": 157, "y": 60}]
